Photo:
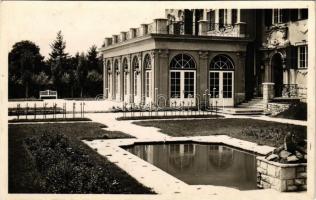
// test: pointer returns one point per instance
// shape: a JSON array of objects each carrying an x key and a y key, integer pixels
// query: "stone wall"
[
  {"x": 281, "y": 177},
  {"x": 276, "y": 108}
]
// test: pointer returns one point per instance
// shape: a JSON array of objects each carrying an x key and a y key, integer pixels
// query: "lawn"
[
  {"x": 70, "y": 165},
  {"x": 261, "y": 132}
]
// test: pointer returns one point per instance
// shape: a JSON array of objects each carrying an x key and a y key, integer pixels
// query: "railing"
[{"x": 226, "y": 30}]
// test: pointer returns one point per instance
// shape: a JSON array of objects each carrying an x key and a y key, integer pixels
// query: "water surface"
[{"x": 202, "y": 164}]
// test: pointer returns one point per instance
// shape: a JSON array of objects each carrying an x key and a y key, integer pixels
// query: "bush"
[{"x": 65, "y": 169}]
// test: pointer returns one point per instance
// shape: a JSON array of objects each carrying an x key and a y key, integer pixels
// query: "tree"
[
  {"x": 92, "y": 58},
  {"x": 58, "y": 61},
  {"x": 24, "y": 60}
]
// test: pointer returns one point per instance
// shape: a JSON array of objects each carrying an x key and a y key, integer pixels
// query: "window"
[
  {"x": 234, "y": 16},
  {"x": 126, "y": 82},
  {"x": 214, "y": 84},
  {"x": 148, "y": 83},
  {"x": 109, "y": 76},
  {"x": 136, "y": 75},
  {"x": 280, "y": 15},
  {"x": 175, "y": 84},
  {"x": 117, "y": 74},
  {"x": 135, "y": 83},
  {"x": 182, "y": 61},
  {"x": 221, "y": 62},
  {"x": 303, "y": 56},
  {"x": 147, "y": 66},
  {"x": 221, "y": 78},
  {"x": 211, "y": 20},
  {"x": 188, "y": 84},
  {"x": 222, "y": 17},
  {"x": 182, "y": 77},
  {"x": 227, "y": 85},
  {"x": 302, "y": 13}
]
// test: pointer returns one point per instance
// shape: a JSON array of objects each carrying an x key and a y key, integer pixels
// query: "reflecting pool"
[{"x": 202, "y": 164}]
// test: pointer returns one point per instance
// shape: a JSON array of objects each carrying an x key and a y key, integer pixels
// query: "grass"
[
  {"x": 24, "y": 174},
  {"x": 49, "y": 120},
  {"x": 258, "y": 131},
  {"x": 296, "y": 111}
]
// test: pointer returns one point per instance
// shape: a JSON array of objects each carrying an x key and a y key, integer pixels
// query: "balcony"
[
  {"x": 226, "y": 30},
  {"x": 162, "y": 26}
]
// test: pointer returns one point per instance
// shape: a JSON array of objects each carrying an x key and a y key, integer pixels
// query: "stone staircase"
[
  {"x": 253, "y": 107},
  {"x": 256, "y": 103}
]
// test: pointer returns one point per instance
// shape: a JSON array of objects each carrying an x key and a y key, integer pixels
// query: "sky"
[{"x": 82, "y": 23}]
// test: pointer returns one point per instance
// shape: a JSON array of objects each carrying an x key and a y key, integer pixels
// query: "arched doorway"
[
  {"x": 221, "y": 81},
  {"x": 182, "y": 80},
  {"x": 277, "y": 74}
]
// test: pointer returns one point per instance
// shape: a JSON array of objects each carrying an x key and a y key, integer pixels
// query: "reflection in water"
[{"x": 201, "y": 164}]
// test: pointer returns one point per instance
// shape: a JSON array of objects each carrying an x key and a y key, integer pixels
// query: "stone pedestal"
[
  {"x": 268, "y": 92},
  {"x": 203, "y": 27}
]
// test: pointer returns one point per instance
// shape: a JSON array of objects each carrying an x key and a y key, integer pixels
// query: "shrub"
[{"x": 65, "y": 169}]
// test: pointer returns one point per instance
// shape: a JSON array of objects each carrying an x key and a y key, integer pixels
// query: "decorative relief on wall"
[{"x": 277, "y": 36}]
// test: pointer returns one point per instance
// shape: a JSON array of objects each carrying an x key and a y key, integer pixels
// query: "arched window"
[
  {"x": 126, "y": 79},
  {"x": 117, "y": 79},
  {"x": 109, "y": 65},
  {"x": 147, "y": 62},
  {"x": 182, "y": 61},
  {"x": 109, "y": 77},
  {"x": 147, "y": 66},
  {"x": 137, "y": 80},
  {"x": 182, "y": 77},
  {"x": 135, "y": 63},
  {"x": 222, "y": 62},
  {"x": 221, "y": 79},
  {"x": 116, "y": 67}
]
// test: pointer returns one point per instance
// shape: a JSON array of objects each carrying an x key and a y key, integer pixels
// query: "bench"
[{"x": 48, "y": 94}]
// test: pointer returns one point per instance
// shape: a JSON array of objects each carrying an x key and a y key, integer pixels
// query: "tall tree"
[
  {"x": 24, "y": 61},
  {"x": 58, "y": 61},
  {"x": 92, "y": 58}
]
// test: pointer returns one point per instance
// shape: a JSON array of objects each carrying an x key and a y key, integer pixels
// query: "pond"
[{"x": 201, "y": 164}]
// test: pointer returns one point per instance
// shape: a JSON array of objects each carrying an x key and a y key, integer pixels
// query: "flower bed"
[
  {"x": 66, "y": 169},
  {"x": 281, "y": 177}
]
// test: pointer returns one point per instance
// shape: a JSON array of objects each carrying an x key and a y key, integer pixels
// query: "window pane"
[
  {"x": 227, "y": 85},
  {"x": 188, "y": 84},
  {"x": 214, "y": 84},
  {"x": 175, "y": 85}
]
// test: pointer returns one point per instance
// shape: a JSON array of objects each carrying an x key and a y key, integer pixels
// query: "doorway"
[{"x": 277, "y": 74}]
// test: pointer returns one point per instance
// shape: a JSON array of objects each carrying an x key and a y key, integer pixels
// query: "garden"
[
  {"x": 258, "y": 131},
  {"x": 50, "y": 158}
]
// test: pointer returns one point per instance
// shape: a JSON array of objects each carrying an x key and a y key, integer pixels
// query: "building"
[{"x": 221, "y": 56}]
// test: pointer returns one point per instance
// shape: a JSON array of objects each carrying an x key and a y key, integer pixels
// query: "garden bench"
[{"x": 48, "y": 94}]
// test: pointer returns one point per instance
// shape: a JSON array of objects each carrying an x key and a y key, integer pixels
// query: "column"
[
  {"x": 163, "y": 81},
  {"x": 239, "y": 82},
  {"x": 202, "y": 75},
  {"x": 267, "y": 85},
  {"x": 156, "y": 75}
]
